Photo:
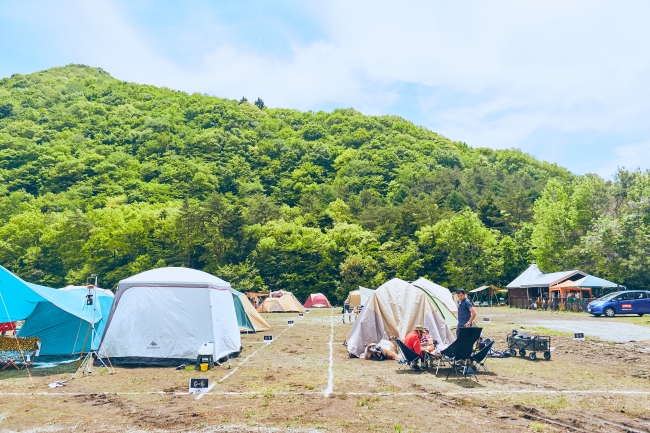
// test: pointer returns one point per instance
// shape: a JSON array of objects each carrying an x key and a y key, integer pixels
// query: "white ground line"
[
  {"x": 330, "y": 382},
  {"x": 316, "y": 393}
]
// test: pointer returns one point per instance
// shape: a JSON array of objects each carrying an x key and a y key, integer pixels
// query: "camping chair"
[
  {"x": 447, "y": 355},
  {"x": 465, "y": 347},
  {"x": 409, "y": 357},
  {"x": 480, "y": 356}
]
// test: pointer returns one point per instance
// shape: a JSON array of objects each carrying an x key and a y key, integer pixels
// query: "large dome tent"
[
  {"x": 393, "y": 310},
  {"x": 160, "y": 317}
]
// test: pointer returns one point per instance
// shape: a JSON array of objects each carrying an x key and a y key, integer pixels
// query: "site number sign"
[{"x": 199, "y": 385}]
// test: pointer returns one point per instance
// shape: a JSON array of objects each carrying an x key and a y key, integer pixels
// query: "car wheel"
[
  {"x": 522, "y": 352},
  {"x": 640, "y": 314},
  {"x": 609, "y": 312},
  {"x": 532, "y": 356},
  {"x": 547, "y": 355},
  {"x": 513, "y": 352}
]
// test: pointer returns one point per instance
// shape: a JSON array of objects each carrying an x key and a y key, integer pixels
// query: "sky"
[{"x": 564, "y": 81}]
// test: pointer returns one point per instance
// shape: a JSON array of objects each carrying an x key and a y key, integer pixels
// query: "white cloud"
[{"x": 512, "y": 68}]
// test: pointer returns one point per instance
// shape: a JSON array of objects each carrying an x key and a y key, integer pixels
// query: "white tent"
[{"x": 161, "y": 317}]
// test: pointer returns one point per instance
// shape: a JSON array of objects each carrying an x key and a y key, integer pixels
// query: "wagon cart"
[{"x": 524, "y": 343}]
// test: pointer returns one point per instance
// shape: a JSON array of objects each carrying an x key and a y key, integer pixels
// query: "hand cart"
[{"x": 521, "y": 343}]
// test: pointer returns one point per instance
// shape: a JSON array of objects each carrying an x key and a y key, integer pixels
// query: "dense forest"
[{"x": 104, "y": 176}]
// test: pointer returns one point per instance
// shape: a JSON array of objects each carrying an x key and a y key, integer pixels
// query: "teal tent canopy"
[
  {"x": 242, "y": 318},
  {"x": 595, "y": 282},
  {"x": 61, "y": 318}
]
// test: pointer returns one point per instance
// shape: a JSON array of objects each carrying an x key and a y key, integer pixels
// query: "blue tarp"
[
  {"x": 60, "y": 318},
  {"x": 595, "y": 282}
]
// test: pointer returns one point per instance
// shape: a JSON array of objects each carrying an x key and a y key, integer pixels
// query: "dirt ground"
[{"x": 587, "y": 386}]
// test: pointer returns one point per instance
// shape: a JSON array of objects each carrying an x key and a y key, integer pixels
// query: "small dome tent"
[
  {"x": 317, "y": 300},
  {"x": 394, "y": 309},
  {"x": 160, "y": 317},
  {"x": 281, "y": 302}
]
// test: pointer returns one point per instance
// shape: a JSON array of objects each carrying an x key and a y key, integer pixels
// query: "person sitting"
[{"x": 414, "y": 341}]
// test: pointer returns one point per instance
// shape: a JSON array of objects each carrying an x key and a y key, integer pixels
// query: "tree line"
[{"x": 103, "y": 176}]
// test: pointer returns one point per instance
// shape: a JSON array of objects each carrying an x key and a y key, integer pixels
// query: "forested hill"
[{"x": 103, "y": 176}]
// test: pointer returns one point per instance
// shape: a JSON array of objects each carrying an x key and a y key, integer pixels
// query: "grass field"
[{"x": 587, "y": 386}]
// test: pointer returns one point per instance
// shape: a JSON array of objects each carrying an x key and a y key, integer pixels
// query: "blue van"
[{"x": 628, "y": 302}]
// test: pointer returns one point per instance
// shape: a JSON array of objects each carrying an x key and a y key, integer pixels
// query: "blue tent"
[{"x": 61, "y": 318}]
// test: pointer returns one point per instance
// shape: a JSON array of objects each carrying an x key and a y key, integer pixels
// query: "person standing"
[{"x": 466, "y": 312}]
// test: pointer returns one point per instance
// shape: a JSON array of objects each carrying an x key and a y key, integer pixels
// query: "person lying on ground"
[{"x": 379, "y": 352}]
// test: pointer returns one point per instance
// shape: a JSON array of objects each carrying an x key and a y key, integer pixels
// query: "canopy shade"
[
  {"x": 495, "y": 288},
  {"x": 587, "y": 282}
]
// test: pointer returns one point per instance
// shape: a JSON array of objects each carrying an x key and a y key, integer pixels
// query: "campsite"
[
  {"x": 310, "y": 375},
  {"x": 281, "y": 385}
]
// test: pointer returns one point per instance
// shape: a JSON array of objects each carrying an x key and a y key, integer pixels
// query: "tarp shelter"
[
  {"x": 353, "y": 299},
  {"x": 394, "y": 309},
  {"x": 256, "y": 298},
  {"x": 248, "y": 319},
  {"x": 284, "y": 304},
  {"x": 317, "y": 300},
  {"x": 160, "y": 318},
  {"x": 60, "y": 318},
  {"x": 489, "y": 292}
]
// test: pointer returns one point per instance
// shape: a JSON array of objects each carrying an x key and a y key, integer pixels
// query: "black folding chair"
[
  {"x": 447, "y": 355},
  {"x": 467, "y": 337},
  {"x": 409, "y": 357},
  {"x": 480, "y": 356}
]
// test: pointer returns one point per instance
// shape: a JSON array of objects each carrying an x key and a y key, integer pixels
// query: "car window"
[
  {"x": 641, "y": 295},
  {"x": 627, "y": 296}
]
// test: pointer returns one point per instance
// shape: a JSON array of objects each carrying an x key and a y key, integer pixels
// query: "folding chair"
[
  {"x": 409, "y": 357},
  {"x": 447, "y": 355},
  {"x": 480, "y": 356},
  {"x": 466, "y": 339}
]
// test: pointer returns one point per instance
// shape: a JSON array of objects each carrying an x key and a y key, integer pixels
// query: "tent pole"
[{"x": 92, "y": 354}]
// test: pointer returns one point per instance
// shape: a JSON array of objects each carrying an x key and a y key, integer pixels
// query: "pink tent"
[{"x": 317, "y": 300}]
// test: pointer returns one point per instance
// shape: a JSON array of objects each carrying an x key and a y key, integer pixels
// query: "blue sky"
[{"x": 564, "y": 81}]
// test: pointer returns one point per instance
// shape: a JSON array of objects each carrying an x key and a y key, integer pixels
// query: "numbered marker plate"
[
  {"x": 290, "y": 322},
  {"x": 578, "y": 336},
  {"x": 199, "y": 385},
  {"x": 300, "y": 315},
  {"x": 268, "y": 338}
]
